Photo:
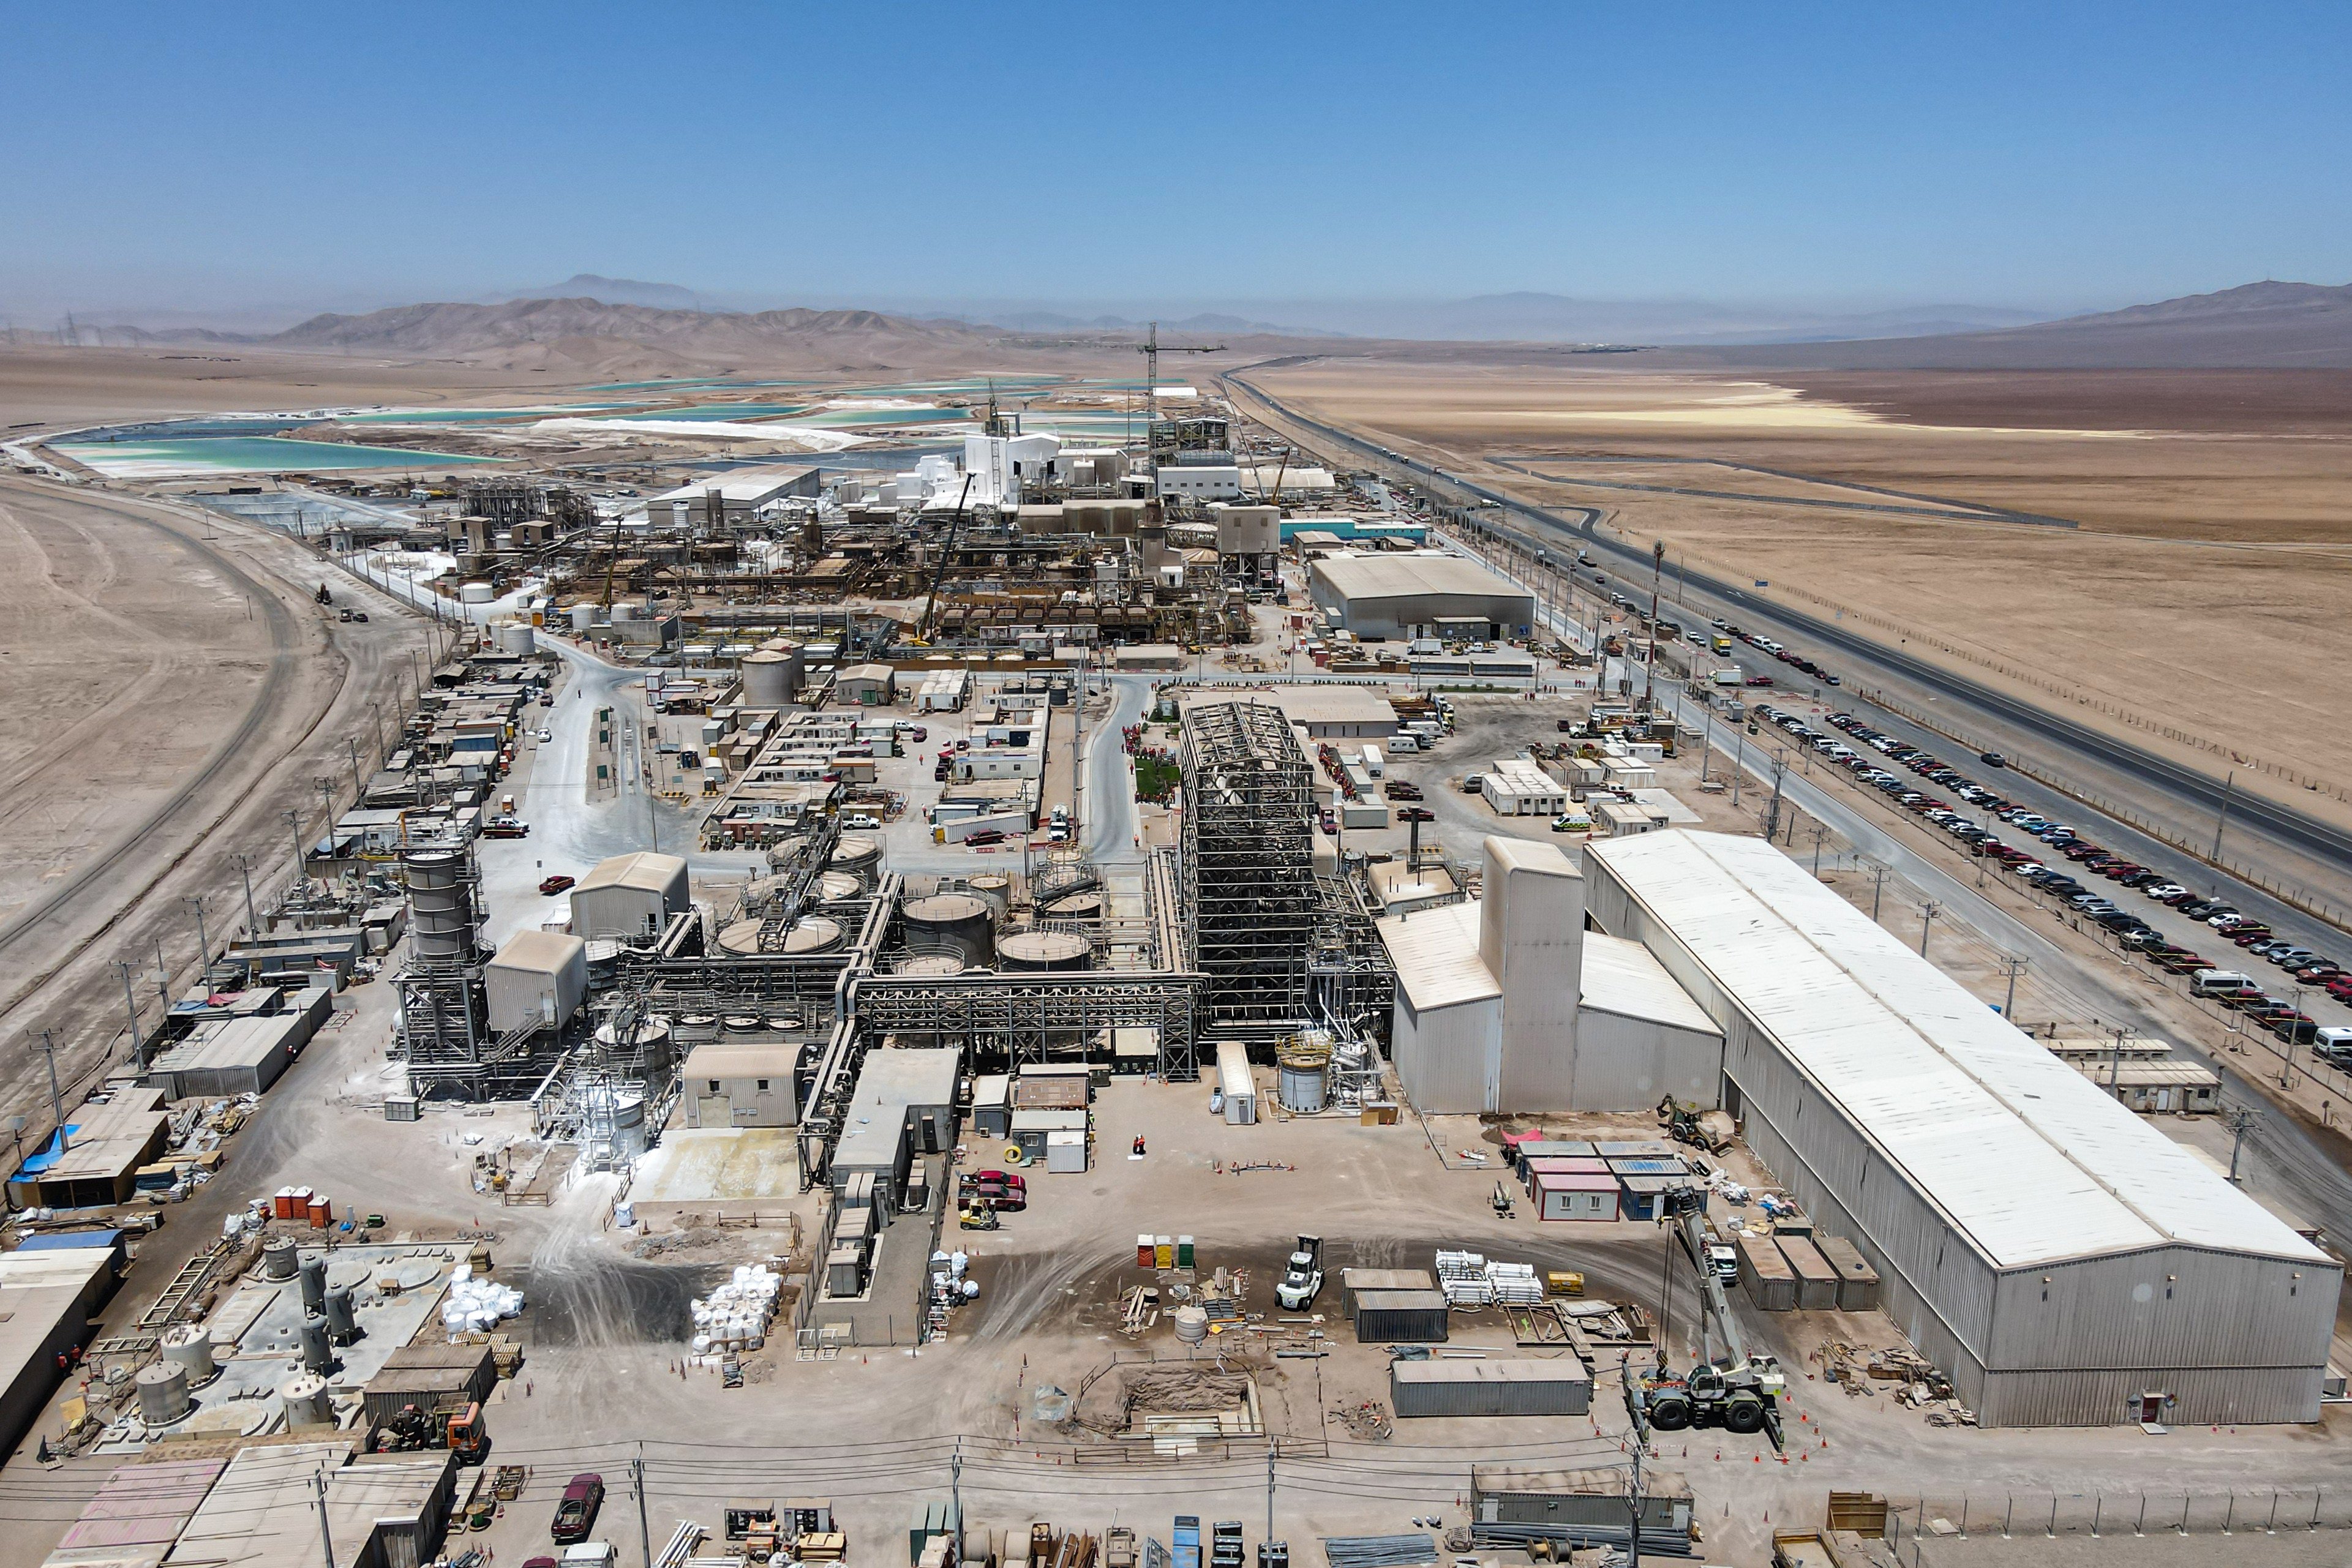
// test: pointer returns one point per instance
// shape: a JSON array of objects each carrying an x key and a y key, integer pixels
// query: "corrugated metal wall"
[
  {"x": 2224, "y": 1340},
  {"x": 1442, "y": 1056},
  {"x": 1628, "y": 1064}
]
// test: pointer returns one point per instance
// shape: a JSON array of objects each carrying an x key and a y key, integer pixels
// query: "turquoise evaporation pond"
[
  {"x": 718, "y": 412},
  {"x": 974, "y": 386},
  {"x": 244, "y": 455},
  {"x": 482, "y": 416},
  {"x": 695, "y": 385}
]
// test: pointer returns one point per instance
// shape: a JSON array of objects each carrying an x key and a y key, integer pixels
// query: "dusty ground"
[
  {"x": 2210, "y": 565},
  {"x": 172, "y": 691}
]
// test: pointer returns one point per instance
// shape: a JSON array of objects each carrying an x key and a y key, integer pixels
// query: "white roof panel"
[
  {"x": 1621, "y": 977},
  {"x": 1387, "y": 574},
  {"x": 2032, "y": 1161},
  {"x": 1436, "y": 955}
]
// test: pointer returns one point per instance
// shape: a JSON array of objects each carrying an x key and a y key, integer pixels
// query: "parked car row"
[
  {"x": 1788, "y": 656},
  {"x": 2307, "y": 968}
]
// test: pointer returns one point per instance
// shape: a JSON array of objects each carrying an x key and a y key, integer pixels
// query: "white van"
[
  {"x": 1403, "y": 744},
  {"x": 2210, "y": 982}
]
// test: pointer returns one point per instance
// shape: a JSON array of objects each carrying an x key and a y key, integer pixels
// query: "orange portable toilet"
[
  {"x": 321, "y": 1213},
  {"x": 282, "y": 1205}
]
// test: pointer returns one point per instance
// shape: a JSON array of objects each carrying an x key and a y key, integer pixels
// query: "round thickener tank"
[
  {"x": 858, "y": 855},
  {"x": 815, "y": 935},
  {"x": 441, "y": 922},
  {"x": 1044, "y": 952},
  {"x": 995, "y": 887},
  {"x": 696, "y": 1029},
  {"x": 740, "y": 937},
  {"x": 650, "y": 1037},
  {"x": 955, "y": 923},
  {"x": 931, "y": 967},
  {"x": 839, "y": 887},
  {"x": 163, "y": 1392},
  {"x": 1079, "y": 906}
]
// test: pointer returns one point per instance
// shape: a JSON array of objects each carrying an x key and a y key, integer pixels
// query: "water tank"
[
  {"x": 584, "y": 616},
  {"x": 839, "y": 887},
  {"x": 624, "y": 610},
  {"x": 1079, "y": 906},
  {"x": 163, "y": 1392},
  {"x": 931, "y": 967},
  {"x": 342, "y": 1317},
  {"x": 516, "y": 637},
  {"x": 476, "y": 593},
  {"x": 740, "y": 937},
  {"x": 1301, "y": 1082},
  {"x": 651, "y": 1037},
  {"x": 1191, "y": 1325},
  {"x": 278, "y": 1257},
  {"x": 771, "y": 679},
  {"x": 860, "y": 855},
  {"x": 317, "y": 1350},
  {"x": 441, "y": 918},
  {"x": 314, "y": 1283},
  {"x": 1047, "y": 952},
  {"x": 996, "y": 886},
  {"x": 304, "y": 1395},
  {"x": 955, "y": 923},
  {"x": 815, "y": 935},
  {"x": 190, "y": 1345},
  {"x": 628, "y": 1126}
]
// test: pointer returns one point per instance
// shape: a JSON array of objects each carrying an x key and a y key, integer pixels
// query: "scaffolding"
[{"x": 1248, "y": 893}]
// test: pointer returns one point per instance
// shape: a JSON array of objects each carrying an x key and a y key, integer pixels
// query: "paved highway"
[{"x": 2194, "y": 795}]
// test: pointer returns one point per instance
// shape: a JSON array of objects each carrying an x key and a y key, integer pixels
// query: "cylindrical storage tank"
[
  {"x": 624, "y": 610},
  {"x": 278, "y": 1257},
  {"x": 740, "y": 937},
  {"x": 995, "y": 887},
  {"x": 858, "y": 855},
  {"x": 815, "y": 935},
  {"x": 839, "y": 887},
  {"x": 651, "y": 1037},
  {"x": 628, "y": 1126},
  {"x": 1044, "y": 952},
  {"x": 516, "y": 637},
  {"x": 163, "y": 1392},
  {"x": 584, "y": 616},
  {"x": 1191, "y": 1325},
  {"x": 745, "y": 1024},
  {"x": 191, "y": 1346},
  {"x": 441, "y": 922},
  {"x": 695, "y": 1028},
  {"x": 314, "y": 1283},
  {"x": 476, "y": 593},
  {"x": 343, "y": 1316},
  {"x": 318, "y": 1349},
  {"x": 771, "y": 679},
  {"x": 955, "y": 923},
  {"x": 1303, "y": 1076},
  {"x": 931, "y": 965},
  {"x": 603, "y": 960},
  {"x": 1082, "y": 907},
  {"x": 304, "y": 1395}
]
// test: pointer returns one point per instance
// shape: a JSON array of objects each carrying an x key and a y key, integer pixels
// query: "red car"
[
  {"x": 985, "y": 836},
  {"x": 554, "y": 884}
]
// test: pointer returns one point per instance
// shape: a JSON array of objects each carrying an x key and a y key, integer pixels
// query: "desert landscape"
[{"x": 2207, "y": 561}]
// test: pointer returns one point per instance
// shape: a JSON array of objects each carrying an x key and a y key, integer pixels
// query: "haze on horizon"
[{"x": 1342, "y": 167}]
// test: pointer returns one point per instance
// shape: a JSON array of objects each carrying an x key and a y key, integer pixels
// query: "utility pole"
[
  {"x": 645, "y": 1527},
  {"x": 204, "y": 944},
  {"x": 1772, "y": 806},
  {"x": 1927, "y": 908},
  {"x": 1877, "y": 886},
  {"x": 1657, "y": 574},
  {"x": 1707, "y": 745},
  {"x": 1269, "y": 1491},
  {"x": 2228, "y": 789},
  {"x": 57, "y": 1101},
  {"x": 1739, "y": 764},
  {"x": 163, "y": 977},
  {"x": 2015, "y": 967},
  {"x": 1818, "y": 832},
  {"x": 359, "y": 788},
  {"x": 326, "y": 1540},
  {"x": 2239, "y": 1118},
  {"x": 294, "y": 821},
  {"x": 252, "y": 921},
  {"x": 130, "y": 1003},
  {"x": 955, "y": 1488}
]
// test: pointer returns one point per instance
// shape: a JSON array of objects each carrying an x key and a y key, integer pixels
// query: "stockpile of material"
[
  {"x": 475, "y": 1305},
  {"x": 1463, "y": 1277},
  {"x": 737, "y": 1314}
]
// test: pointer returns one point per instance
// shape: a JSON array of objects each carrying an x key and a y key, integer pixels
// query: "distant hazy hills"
[
  {"x": 613, "y": 291},
  {"x": 2273, "y": 326}
]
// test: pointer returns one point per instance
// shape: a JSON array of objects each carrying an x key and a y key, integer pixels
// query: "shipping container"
[
  {"x": 1355, "y": 1282},
  {"x": 1400, "y": 1317},
  {"x": 1817, "y": 1282},
  {"x": 1491, "y": 1387},
  {"x": 1857, "y": 1280},
  {"x": 1770, "y": 1283}
]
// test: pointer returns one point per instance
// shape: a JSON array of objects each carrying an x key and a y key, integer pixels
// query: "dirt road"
[{"x": 173, "y": 692}]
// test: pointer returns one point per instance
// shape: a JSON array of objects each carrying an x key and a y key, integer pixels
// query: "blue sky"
[{"x": 907, "y": 155}]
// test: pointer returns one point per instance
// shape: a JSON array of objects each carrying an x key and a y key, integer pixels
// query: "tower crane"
[{"x": 1151, "y": 349}]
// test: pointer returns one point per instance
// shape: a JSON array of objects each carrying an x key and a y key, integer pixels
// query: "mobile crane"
[{"x": 1738, "y": 1392}]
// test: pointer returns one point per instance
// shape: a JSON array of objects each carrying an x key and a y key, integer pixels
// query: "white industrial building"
[
  {"x": 1485, "y": 1021},
  {"x": 742, "y": 493},
  {"x": 539, "y": 978},
  {"x": 1199, "y": 481},
  {"x": 999, "y": 468},
  {"x": 630, "y": 895},
  {"x": 2067, "y": 1263},
  {"x": 1418, "y": 593},
  {"x": 1517, "y": 787}
]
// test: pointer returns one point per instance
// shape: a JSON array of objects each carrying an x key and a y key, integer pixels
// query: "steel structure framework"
[{"x": 1248, "y": 893}]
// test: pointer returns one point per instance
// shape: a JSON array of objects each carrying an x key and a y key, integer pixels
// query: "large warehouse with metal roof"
[
  {"x": 2065, "y": 1261},
  {"x": 1418, "y": 593}
]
